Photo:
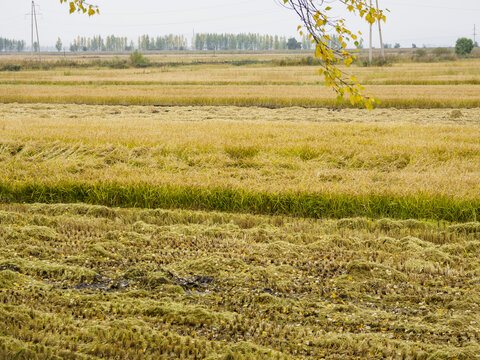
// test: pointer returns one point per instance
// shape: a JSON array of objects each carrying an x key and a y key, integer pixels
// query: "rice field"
[
  {"x": 93, "y": 282},
  {"x": 237, "y": 211},
  {"x": 458, "y": 72},
  {"x": 402, "y": 85},
  {"x": 401, "y": 96},
  {"x": 263, "y": 160}
]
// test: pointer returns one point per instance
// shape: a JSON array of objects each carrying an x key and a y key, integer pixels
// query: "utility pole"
[
  {"x": 475, "y": 35},
  {"x": 381, "y": 38},
  {"x": 193, "y": 40},
  {"x": 34, "y": 21},
  {"x": 31, "y": 52},
  {"x": 36, "y": 27},
  {"x": 370, "y": 55}
]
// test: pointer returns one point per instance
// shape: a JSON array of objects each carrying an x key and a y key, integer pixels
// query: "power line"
[
  {"x": 105, "y": 11},
  {"x": 236, "y": 16},
  {"x": 416, "y": 4},
  {"x": 179, "y": 10}
]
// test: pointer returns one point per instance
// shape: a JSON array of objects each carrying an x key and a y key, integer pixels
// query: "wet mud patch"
[
  {"x": 156, "y": 281},
  {"x": 197, "y": 283}
]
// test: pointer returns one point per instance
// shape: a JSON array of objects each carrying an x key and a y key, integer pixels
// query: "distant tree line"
[
  {"x": 11, "y": 45},
  {"x": 239, "y": 42},
  {"x": 97, "y": 43},
  {"x": 167, "y": 42},
  {"x": 180, "y": 42}
]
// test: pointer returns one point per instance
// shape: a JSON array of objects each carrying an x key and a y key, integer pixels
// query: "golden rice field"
[
  {"x": 399, "y": 152},
  {"x": 402, "y": 96},
  {"x": 235, "y": 210},
  {"x": 459, "y": 71},
  {"x": 403, "y": 85}
]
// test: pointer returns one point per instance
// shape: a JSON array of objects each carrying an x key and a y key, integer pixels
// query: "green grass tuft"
[{"x": 241, "y": 152}]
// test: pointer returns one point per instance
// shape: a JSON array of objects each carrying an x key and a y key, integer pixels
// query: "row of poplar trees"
[
  {"x": 97, "y": 43},
  {"x": 11, "y": 45},
  {"x": 243, "y": 42},
  {"x": 180, "y": 42},
  {"x": 166, "y": 42},
  {"x": 170, "y": 42}
]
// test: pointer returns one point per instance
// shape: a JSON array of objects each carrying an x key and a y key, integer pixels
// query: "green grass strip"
[{"x": 313, "y": 205}]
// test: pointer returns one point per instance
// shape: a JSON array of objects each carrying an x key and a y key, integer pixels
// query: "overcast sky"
[{"x": 429, "y": 22}]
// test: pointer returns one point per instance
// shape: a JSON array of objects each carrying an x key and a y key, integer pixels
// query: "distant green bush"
[
  {"x": 464, "y": 46},
  {"x": 138, "y": 60}
]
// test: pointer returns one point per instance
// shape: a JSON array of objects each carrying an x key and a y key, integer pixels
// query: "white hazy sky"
[{"x": 429, "y": 22}]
